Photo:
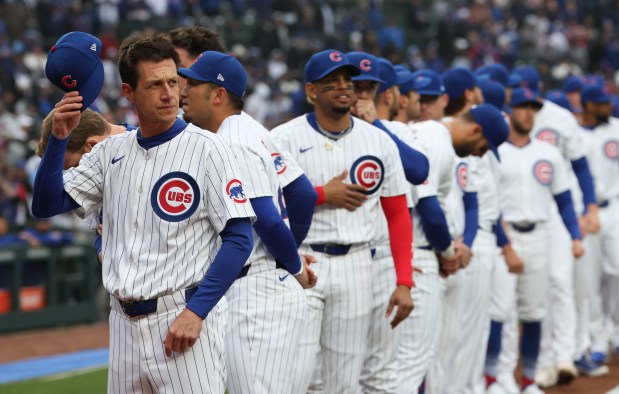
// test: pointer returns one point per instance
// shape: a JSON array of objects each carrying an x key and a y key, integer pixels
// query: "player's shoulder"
[
  {"x": 204, "y": 138},
  {"x": 292, "y": 125},
  {"x": 545, "y": 149},
  {"x": 396, "y": 127},
  {"x": 553, "y": 114}
]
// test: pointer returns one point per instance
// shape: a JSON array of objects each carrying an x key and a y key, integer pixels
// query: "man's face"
[
  {"x": 574, "y": 99},
  {"x": 432, "y": 107},
  {"x": 522, "y": 118},
  {"x": 395, "y": 102},
  {"x": 196, "y": 98},
  {"x": 472, "y": 142},
  {"x": 186, "y": 62},
  {"x": 365, "y": 90},
  {"x": 601, "y": 112},
  {"x": 72, "y": 159},
  {"x": 413, "y": 106},
  {"x": 334, "y": 93},
  {"x": 478, "y": 96},
  {"x": 156, "y": 95}
]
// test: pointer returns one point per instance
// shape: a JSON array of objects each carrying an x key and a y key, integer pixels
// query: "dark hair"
[
  {"x": 91, "y": 123},
  {"x": 468, "y": 117},
  {"x": 455, "y": 105},
  {"x": 134, "y": 49},
  {"x": 197, "y": 39}
]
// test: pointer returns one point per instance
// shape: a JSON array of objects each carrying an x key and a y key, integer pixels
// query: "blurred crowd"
[{"x": 274, "y": 38}]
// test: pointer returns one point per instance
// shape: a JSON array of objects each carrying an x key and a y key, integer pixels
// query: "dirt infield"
[{"x": 584, "y": 385}]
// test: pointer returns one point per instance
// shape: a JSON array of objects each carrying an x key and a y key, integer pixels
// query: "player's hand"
[
  {"x": 464, "y": 252},
  {"x": 577, "y": 249},
  {"x": 307, "y": 278},
  {"x": 401, "y": 298},
  {"x": 100, "y": 230},
  {"x": 66, "y": 115},
  {"x": 183, "y": 333},
  {"x": 583, "y": 226},
  {"x": 513, "y": 261},
  {"x": 449, "y": 265},
  {"x": 100, "y": 258},
  {"x": 593, "y": 219},
  {"x": 344, "y": 195},
  {"x": 365, "y": 109}
]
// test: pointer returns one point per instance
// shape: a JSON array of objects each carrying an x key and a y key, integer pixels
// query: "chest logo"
[
  {"x": 462, "y": 175},
  {"x": 611, "y": 149},
  {"x": 175, "y": 196},
  {"x": 543, "y": 172},
  {"x": 550, "y": 136},
  {"x": 234, "y": 190},
  {"x": 368, "y": 171},
  {"x": 278, "y": 162}
]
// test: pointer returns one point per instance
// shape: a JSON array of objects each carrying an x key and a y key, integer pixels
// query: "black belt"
[
  {"x": 245, "y": 269},
  {"x": 146, "y": 307},
  {"x": 424, "y": 247},
  {"x": 603, "y": 203},
  {"x": 492, "y": 229},
  {"x": 331, "y": 249},
  {"x": 373, "y": 252},
  {"x": 523, "y": 229}
]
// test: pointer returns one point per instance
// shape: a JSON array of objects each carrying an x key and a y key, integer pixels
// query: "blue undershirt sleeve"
[
  {"x": 276, "y": 236},
  {"x": 566, "y": 209},
  {"x": 434, "y": 223},
  {"x": 300, "y": 197},
  {"x": 585, "y": 180},
  {"x": 235, "y": 250},
  {"x": 416, "y": 164},
  {"x": 471, "y": 218},
  {"x": 49, "y": 197},
  {"x": 501, "y": 237}
]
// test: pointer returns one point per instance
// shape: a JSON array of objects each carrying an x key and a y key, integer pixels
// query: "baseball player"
[
  {"x": 572, "y": 87},
  {"x": 432, "y": 98},
  {"x": 601, "y": 141},
  {"x": 161, "y": 189},
  {"x": 267, "y": 307},
  {"x": 326, "y": 143},
  {"x": 532, "y": 174}
]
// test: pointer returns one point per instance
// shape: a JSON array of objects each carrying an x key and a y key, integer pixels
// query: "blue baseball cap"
[
  {"x": 408, "y": 82},
  {"x": 493, "y": 125},
  {"x": 387, "y": 73},
  {"x": 434, "y": 87},
  {"x": 530, "y": 77},
  {"x": 560, "y": 98},
  {"x": 514, "y": 81},
  {"x": 593, "y": 79},
  {"x": 219, "y": 68},
  {"x": 74, "y": 63},
  {"x": 368, "y": 64},
  {"x": 522, "y": 96},
  {"x": 496, "y": 72},
  {"x": 400, "y": 68},
  {"x": 616, "y": 106},
  {"x": 572, "y": 84},
  {"x": 594, "y": 94},
  {"x": 493, "y": 92},
  {"x": 325, "y": 62},
  {"x": 457, "y": 81}
]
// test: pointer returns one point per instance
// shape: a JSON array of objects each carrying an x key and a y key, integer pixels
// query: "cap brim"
[
  {"x": 354, "y": 71},
  {"x": 367, "y": 78},
  {"x": 494, "y": 150},
  {"x": 190, "y": 74},
  {"x": 90, "y": 91},
  {"x": 423, "y": 92}
]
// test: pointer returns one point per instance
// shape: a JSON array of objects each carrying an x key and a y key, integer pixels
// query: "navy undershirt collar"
[
  {"x": 151, "y": 142},
  {"x": 311, "y": 118}
]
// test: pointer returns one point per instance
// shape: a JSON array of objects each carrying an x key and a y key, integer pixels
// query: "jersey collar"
[
  {"x": 311, "y": 119},
  {"x": 151, "y": 142}
]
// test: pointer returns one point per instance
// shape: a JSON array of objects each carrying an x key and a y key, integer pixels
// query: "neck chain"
[{"x": 334, "y": 135}]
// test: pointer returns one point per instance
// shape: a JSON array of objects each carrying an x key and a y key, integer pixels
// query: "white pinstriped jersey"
[
  {"x": 256, "y": 165},
  {"x": 488, "y": 190},
  {"x": 529, "y": 178},
  {"x": 436, "y": 142},
  {"x": 163, "y": 208},
  {"x": 602, "y": 149},
  {"x": 464, "y": 180},
  {"x": 371, "y": 159}
]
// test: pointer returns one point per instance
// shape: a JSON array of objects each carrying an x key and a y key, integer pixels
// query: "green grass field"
[{"x": 89, "y": 381}]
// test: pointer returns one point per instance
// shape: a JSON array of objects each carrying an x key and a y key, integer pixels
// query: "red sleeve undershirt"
[
  {"x": 401, "y": 237},
  {"x": 321, "y": 195}
]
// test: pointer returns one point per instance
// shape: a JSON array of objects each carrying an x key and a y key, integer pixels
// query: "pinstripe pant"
[
  {"x": 137, "y": 361},
  {"x": 420, "y": 333},
  {"x": 337, "y": 322},
  {"x": 266, "y": 314}
]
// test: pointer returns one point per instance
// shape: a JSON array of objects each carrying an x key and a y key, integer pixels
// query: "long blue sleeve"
[
  {"x": 276, "y": 236},
  {"x": 235, "y": 250},
  {"x": 49, "y": 197},
  {"x": 566, "y": 209},
  {"x": 501, "y": 237},
  {"x": 471, "y": 218},
  {"x": 585, "y": 180},
  {"x": 434, "y": 223},
  {"x": 416, "y": 164},
  {"x": 300, "y": 197}
]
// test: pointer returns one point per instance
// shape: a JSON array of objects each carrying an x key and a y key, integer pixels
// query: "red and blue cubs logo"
[
  {"x": 234, "y": 190},
  {"x": 175, "y": 196},
  {"x": 365, "y": 65},
  {"x": 335, "y": 56},
  {"x": 367, "y": 171},
  {"x": 611, "y": 149},
  {"x": 462, "y": 175},
  {"x": 550, "y": 136},
  {"x": 68, "y": 82},
  {"x": 278, "y": 162},
  {"x": 543, "y": 172}
]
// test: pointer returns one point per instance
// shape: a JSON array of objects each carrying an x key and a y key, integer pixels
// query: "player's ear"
[
  {"x": 127, "y": 92},
  {"x": 92, "y": 141},
  {"x": 310, "y": 92}
]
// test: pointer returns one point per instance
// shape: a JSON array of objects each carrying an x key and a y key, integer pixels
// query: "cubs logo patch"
[
  {"x": 175, "y": 196},
  {"x": 278, "y": 162},
  {"x": 365, "y": 65},
  {"x": 335, "y": 56},
  {"x": 462, "y": 175},
  {"x": 550, "y": 136},
  {"x": 367, "y": 171},
  {"x": 543, "y": 172},
  {"x": 68, "y": 82},
  {"x": 611, "y": 149},
  {"x": 234, "y": 190}
]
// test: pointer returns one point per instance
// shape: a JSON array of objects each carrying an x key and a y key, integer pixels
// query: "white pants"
[
  {"x": 266, "y": 313},
  {"x": 379, "y": 368},
  {"x": 337, "y": 322},
  {"x": 421, "y": 332},
  {"x": 137, "y": 361}
]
